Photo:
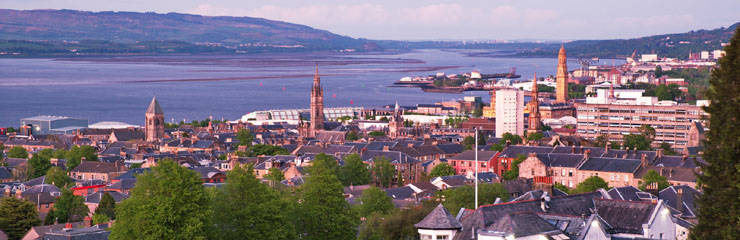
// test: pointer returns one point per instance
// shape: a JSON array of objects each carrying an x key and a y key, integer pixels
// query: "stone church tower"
[
  {"x": 154, "y": 121},
  {"x": 562, "y": 77},
  {"x": 396, "y": 123},
  {"x": 317, "y": 106},
  {"x": 534, "y": 108}
]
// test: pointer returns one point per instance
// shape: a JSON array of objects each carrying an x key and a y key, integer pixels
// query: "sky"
[{"x": 447, "y": 20}]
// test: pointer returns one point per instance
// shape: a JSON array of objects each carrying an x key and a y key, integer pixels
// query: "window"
[
  {"x": 611, "y": 177},
  {"x": 426, "y": 237},
  {"x": 570, "y": 183},
  {"x": 442, "y": 237},
  {"x": 570, "y": 173},
  {"x": 562, "y": 173}
]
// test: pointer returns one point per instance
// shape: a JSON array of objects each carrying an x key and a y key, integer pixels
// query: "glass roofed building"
[{"x": 293, "y": 116}]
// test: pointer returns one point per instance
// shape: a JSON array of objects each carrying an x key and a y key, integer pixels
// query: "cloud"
[{"x": 657, "y": 21}]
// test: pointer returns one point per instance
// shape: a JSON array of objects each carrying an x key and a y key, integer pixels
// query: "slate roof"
[
  {"x": 154, "y": 107},
  {"x": 400, "y": 193},
  {"x": 35, "y": 181},
  {"x": 96, "y": 167},
  {"x": 678, "y": 161},
  {"x": 15, "y": 162},
  {"x": 97, "y": 196},
  {"x": 514, "y": 150},
  {"x": 450, "y": 148},
  {"x": 46, "y": 188},
  {"x": 624, "y": 216},
  {"x": 630, "y": 193},
  {"x": 689, "y": 198},
  {"x": 39, "y": 198},
  {"x": 124, "y": 184},
  {"x": 5, "y": 173},
  {"x": 679, "y": 174},
  {"x": 561, "y": 159},
  {"x": 470, "y": 156},
  {"x": 131, "y": 173},
  {"x": 207, "y": 172},
  {"x": 42, "y": 230},
  {"x": 439, "y": 219},
  {"x": 379, "y": 145},
  {"x": 88, "y": 233},
  {"x": 394, "y": 157},
  {"x": 124, "y": 135},
  {"x": 523, "y": 224},
  {"x": 611, "y": 165},
  {"x": 419, "y": 151}
]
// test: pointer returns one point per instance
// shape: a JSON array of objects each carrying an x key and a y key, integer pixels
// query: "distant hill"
[
  {"x": 676, "y": 45},
  {"x": 131, "y": 27}
]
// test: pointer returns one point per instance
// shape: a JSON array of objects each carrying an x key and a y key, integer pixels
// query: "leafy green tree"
[
  {"x": 615, "y": 145},
  {"x": 442, "y": 169},
  {"x": 38, "y": 165},
  {"x": 60, "y": 153},
  {"x": 647, "y": 131},
  {"x": 69, "y": 208},
  {"x": 719, "y": 217},
  {"x": 468, "y": 143},
  {"x": 561, "y": 187},
  {"x": 383, "y": 171},
  {"x": 245, "y": 137},
  {"x": 591, "y": 184},
  {"x": 17, "y": 216},
  {"x": 107, "y": 206},
  {"x": 17, "y": 152},
  {"x": 166, "y": 203},
  {"x": 135, "y": 165},
  {"x": 399, "y": 179},
  {"x": 667, "y": 149},
  {"x": 513, "y": 138},
  {"x": 374, "y": 200},
  {"x": 478, "y": 111},
  {"x": 376, "y": 134},
  {"x": 274, "y": 175},
  {"x": 535, "y": 136},
  {"x": 265, "y": 150},
  {"x": 352, "y": 136},
  {"x": 100, "y": 219},
  {"x": 323, "y": 212},
  {"x": 58, "y": 177},
  {"x": 244, "y": 208},
  {"x": 354, "y": 172},
  {"x": 601, "y": 140},
  {"x": 637, "y": 141},
  {"x": 395, "y": 225},
  {"x": 75, "y": 155},
  {"x": 652, "y": 177},
  {"x": 514, "y": 172},
  {"x": 328, "y": 162},
  {"x": 464, "y": 197},
  {"x": 497, "y": 147}
]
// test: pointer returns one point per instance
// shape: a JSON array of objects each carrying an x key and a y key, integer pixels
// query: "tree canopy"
[
  {"x": 383, "y": 172},
  {"x": 264, "y": 150},
  {"x": 107, "y": 206},
  {"x": 442, "y": 169},
  {"x": 274, "y": 175},
  {"x": 17, "y": 216},
  {"x": 58, "y": 177},
  {"x": 17, "y": 152},
  {"x": 719, "y": 217},
  {"x": 74, "y": 156},
  {"x": 244, "y": 208},
  {"x": 651, "y": 177},
  {"x": 69, "y": 208},
  {"x": 464, "y": 197},
  {"x": 354, "y": 172},
  {"x": 515, "y": 139},
  {"x": 39, "y": 164},
  {"x": 245, "y": 137},
  {"x": 591, "y": 184},
  {"x": 323, "y": 212},
  {"x": 514, "y": 172},
  {"x": 374, "y": 200},
  {"x": 166, "y": 203}
]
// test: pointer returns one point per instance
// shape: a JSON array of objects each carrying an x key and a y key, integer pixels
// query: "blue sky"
[{"x": 447, "y": 20}]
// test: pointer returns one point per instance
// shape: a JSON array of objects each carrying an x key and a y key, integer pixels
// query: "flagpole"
[{"x": 476, "y": 168}]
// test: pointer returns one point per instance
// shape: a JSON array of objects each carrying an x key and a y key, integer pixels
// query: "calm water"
[{"x": 190, "y": 87}]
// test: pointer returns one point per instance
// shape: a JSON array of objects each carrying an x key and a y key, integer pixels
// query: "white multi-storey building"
[{"x": 509, "y": 112}]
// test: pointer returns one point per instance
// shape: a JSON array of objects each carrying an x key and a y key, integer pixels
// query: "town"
[{"x": 611, "y": 164}]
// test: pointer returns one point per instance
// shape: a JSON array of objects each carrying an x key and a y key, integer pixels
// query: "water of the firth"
[{"x": 196, "y": 87}]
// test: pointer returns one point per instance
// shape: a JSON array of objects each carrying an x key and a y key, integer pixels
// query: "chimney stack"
[
  {"x": 679, "y": 200},
  {"x": 587, "y": 154},
  {"x": 607, "y": 146},
  {"x": 88, "y": 221},
  {"x": 643, "y": 160},
  {"x": 659, "y": 152}
]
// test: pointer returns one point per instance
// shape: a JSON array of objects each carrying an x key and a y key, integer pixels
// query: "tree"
[
  {"x": 328, "y": 162},
  {"x": 107, "y": 206},
  {"x": 601, "y": 140},
  {"x": 647, "y": 131},
  {"x": 275, "y": 175},
  {"x": 667, "y": 149},
  {"x": 17, "y": 152},
  {"x": 60, "y": 153},
  {"x": 478, "y": 111},
  {"x": 244, "y": 208},
  {"x": 323, "y": 212},
  {"x": 535, "y": 136},
  {"x": 396, "y": 225},
  {"x": 442, "y": 169},
  {"x": 38, "y": 165},
  {"x": 513, "y": 138},
  {"x": 58, "y": 177},
  {"x": 464, "y": 197},
  {"x": 100, "y": 219},
  {"x": 17, "y": 216},
  {"x": 75, "y": 154},
  {"x": 468, "y": 143},
  {"x": 719, "y": 217},
  {"x": 652, "y": 177},
  {"x": 166, "y": 203},
  {"x": 561, "y": 187},
  {"x": 352, "y": 136},
  {"x": 376, "y": 134},
  {"x": 354, "y": 171},
  {"x": 69, "y": 208},
  {"x": 245, "y": 137},
  {"x": 265, "y": 150},
  {"x": 497, "y": 147},
  {"x": 514, "y": 172},
  {"x": 591, "y": 184},
  {"x": 135, "y": 165},
  {"x": 637, "y": 141},
  {"x": 383, "y": 172},
  {"x": 374, "y": 200}
]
